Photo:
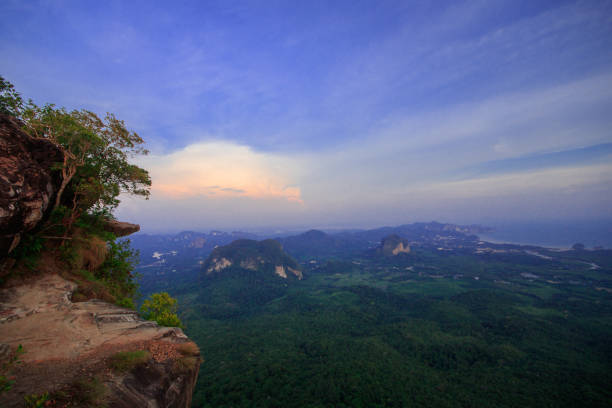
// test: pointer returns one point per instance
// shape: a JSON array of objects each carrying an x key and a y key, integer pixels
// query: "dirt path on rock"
[{"x": 65, "y": 341}]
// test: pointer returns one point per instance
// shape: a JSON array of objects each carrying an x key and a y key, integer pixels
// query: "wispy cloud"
[{"x": 336, "y": 112}]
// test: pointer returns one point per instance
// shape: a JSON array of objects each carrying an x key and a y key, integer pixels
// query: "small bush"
[
  {"x": 125, "y": 302},
  {"x": 28, "y": 250},
  {"x": 128, "y": 360},
  {"x": 162, "y": 308},
  {"x": 35, "y": 400},
  {"x": 6, "y": 380}
]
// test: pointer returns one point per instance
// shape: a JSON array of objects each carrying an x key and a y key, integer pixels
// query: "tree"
[
  {"x": 96, "y": 168},
  {"x": 11, "y": 102},
  {"x": 162, "y": 308}
]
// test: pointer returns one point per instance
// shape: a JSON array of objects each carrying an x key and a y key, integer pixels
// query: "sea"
[{"x": 553, "y": 234}]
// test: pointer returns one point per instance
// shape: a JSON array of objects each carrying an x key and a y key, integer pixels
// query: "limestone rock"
[
  {"x": 264, "y": 256},
  {"x": 28, "y": 183},
  {"x": 393, "y": 245},
  {"x": 218, "y": 265}
]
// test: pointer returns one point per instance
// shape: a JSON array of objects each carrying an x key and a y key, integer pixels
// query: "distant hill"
[
  {"x": 264, "y": 256},
  {"x": 419, "y": 231},
  {"x": 318, "y": 244},
  {"x": 185, "y": 253},
  {"x": 393, "y": 245},
  {"x": 194, "y": 245}
]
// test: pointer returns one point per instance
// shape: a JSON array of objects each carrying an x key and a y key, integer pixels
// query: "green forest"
[{"x": 453, "y": 328}]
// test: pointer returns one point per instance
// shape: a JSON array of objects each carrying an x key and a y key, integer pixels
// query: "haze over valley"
[{"x": 242, "y": 203}]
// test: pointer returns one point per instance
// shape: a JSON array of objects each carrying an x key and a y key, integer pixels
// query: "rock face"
[
  {"x": 65, "y": 342},
  {"x": 393, "y": 245},
  {"x": 27, "y": 182}
]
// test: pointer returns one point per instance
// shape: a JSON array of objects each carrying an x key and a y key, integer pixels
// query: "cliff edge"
[
  {"x": 92, "y": 346},
  {"x": 55, "y": 351}
]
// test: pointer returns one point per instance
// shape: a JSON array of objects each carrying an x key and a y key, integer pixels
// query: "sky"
[{"x": 337, "y": 113}]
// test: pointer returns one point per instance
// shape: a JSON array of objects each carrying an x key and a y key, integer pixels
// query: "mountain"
[
  {"x": 196, "y": 245},
  {"x": 393, "y": 245},
  {"x": 316, "y": 244},
  {"x": 266, "y": 256},
  {"x": 425, "y": 233}
]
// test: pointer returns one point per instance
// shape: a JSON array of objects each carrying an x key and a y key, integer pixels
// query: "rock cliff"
[
  {"x": 77, "y": 354},
  {"x": 67, "y": 343},
  {"x": 28, "y": 183}
]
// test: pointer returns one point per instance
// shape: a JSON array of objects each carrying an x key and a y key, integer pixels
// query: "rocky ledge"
[{"x": 68, "y": 345}]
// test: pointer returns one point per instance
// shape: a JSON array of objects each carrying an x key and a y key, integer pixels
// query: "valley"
[{"x": 454, "y": 321}]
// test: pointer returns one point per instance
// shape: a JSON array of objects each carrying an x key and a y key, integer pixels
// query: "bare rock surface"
[
  {"x": 120, "y": 228},
  {"x": 66, "y": 341},
  {"x": 27, "y": 182}
]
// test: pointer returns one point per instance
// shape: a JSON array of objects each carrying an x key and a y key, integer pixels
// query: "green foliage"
[
  {"x": 379, "y": 332},
  {"x": 6, "y": 382},
  {"x": 97, "y": 153},
  {"x": 11, "y": 102},
  {"x": 28, "y": 250},
  {"x": 96, "y": 167},
  {"x": 162, "y": 308},
  {"x": 117, "y": 272},
  {"x": 36, "y": 400},
  {"x": 128, "y": 360}
]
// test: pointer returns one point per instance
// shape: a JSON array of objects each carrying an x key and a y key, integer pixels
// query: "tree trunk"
[{"x": 66, "y": 177}]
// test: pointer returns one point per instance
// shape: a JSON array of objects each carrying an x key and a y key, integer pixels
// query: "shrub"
[
  {"x": 35, "y": 400},
  {"x": 28, "y": 250},
  {"x": 6, "y": 381},
  {"x": 162, "y": 308}
]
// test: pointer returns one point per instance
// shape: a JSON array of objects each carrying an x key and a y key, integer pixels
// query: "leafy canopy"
[
  {"x": 95, "y": 171},
  {"x": 96, "y": 167},
  {"x": 162, "y": 308}
]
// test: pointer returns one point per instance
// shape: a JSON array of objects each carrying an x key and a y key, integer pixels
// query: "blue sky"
[{"x": 279, "y": 113}]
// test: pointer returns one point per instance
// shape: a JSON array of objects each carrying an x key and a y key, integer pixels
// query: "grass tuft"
[
  {"x": 128, "y": 360},
  {"x": 188, "y": 349}
]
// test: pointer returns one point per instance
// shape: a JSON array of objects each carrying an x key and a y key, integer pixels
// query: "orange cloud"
[{"x": 222, "y": 169}]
